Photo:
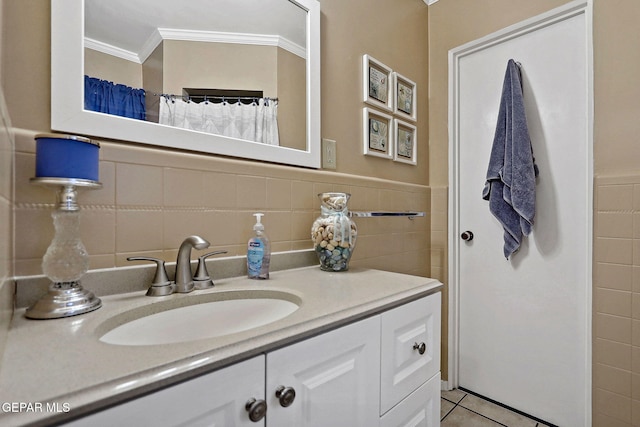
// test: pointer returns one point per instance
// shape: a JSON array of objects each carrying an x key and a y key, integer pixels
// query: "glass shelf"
[{"x": 409, "y": 215}]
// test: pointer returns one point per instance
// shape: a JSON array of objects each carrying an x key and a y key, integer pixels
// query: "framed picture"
[
  {"x": 377, "y": 133},
  {"x": 377, "y": 83},
  {"x": 406, "y": 136},
  {"x": 404, "y": 97}
]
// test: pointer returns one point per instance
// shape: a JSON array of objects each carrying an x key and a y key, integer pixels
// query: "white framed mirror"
[{"x": 69, "y": 62}]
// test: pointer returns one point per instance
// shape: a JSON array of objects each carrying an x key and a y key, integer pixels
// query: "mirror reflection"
[{"x": 227, "y": 67}]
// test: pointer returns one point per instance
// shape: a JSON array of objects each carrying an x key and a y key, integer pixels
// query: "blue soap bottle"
[{"x": 258, "y": 251}]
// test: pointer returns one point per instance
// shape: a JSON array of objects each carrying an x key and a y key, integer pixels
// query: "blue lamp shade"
[{"x": 66, "y": 156}]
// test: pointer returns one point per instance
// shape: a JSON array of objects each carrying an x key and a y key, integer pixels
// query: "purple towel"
[{"x": 511, "y": 175}]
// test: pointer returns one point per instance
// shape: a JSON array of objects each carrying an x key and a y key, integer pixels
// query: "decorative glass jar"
[{"x": 333, "y": 233}]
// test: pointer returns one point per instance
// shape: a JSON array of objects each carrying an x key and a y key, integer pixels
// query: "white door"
[
  {"x": 335, "y": 377},
  {"x": 524, "y": 323}
]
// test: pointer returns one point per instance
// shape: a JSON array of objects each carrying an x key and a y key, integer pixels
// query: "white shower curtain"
[{"x": 254, "y": 122}]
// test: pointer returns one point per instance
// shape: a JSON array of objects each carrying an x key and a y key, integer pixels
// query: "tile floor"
[{"x": 461, "y": 409}]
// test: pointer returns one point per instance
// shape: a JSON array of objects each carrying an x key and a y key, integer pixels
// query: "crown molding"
[
  {"x": 197, "y": 36},
  {"x": 111, "y": 50},
  {"x": 239, "y": 38}
]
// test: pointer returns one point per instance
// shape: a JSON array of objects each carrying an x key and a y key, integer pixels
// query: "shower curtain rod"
[{"x": 222, "y": 97}]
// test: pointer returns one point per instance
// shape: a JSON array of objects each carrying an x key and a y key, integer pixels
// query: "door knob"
[
  {"x": 286, "y": 395},
  {"x": 467, "y": 236},
  {"x": 257, "y": 409}
]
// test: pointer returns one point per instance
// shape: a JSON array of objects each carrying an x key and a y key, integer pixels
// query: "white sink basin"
[{"x": 200, "y": 320}]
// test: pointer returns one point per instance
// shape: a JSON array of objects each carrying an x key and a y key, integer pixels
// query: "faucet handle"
[
  {"x": 161, "y": 285},
  {"x": 202, "y": 280}
]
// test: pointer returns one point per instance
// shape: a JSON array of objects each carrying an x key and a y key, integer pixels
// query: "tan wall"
[
  {"x": 112, "y": 68},
  {"x": 617, "y": 92},
  {"x": 393, "y": 32},
  {"x": 276, "y": 72},
  {"x": 292, "y": 94},
  {"x": 26, "y": 63},
  {"x": 153, "y": 198},
  {"x": 152, "y": 81},
  {"x": 231, "y": 66}
]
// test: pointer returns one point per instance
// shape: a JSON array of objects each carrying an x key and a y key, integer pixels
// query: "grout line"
[
  {"x": 502, "y": 405},
  {"x": 470, "y": 410},
  {"x": 455, "y": 405},
  {"x": 478, "y": 413},
  {"x": 450, "y": 411}
]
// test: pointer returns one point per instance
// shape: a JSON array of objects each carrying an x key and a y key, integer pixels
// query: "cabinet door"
[
  {"x": 410, "y": 348},
  {"x": 336, "y": 378},
  {"x": 420, "y": 409},
  {"x": 216, "y": 399}
]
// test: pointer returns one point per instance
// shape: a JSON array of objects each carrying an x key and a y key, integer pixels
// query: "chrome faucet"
[{"x": 184, "y": 276}]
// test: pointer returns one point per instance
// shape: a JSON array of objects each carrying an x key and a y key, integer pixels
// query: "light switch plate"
[{"x": 328, "y": 154}]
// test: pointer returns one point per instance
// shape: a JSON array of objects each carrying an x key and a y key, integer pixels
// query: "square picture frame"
[
  {"x": 405, "y": 97},
  {"x": 405, "y": 137},
  {"x": 377, "y": 81},
  {"x": 377, "y": 133}
]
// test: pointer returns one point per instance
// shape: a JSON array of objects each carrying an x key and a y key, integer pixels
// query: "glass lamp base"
[{"x": 64, "y": 300}]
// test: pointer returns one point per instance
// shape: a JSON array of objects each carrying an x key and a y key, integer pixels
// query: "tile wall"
[
  {"x": 152, "y": 199},
  {"x": 6, "y": 234},
  {"x": 616, "y": 296}
]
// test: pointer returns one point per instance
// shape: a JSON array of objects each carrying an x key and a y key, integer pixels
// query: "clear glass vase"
[{"x": 334, "y": 233}]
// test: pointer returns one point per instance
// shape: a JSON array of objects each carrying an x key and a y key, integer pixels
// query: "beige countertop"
[{"x": 62, "y": 363}]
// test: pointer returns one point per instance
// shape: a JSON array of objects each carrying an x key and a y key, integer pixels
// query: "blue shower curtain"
[{"x": 117, "y": 99}]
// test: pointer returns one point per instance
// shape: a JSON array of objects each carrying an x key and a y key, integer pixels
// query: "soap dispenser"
[{"x": 258, "y": 251}]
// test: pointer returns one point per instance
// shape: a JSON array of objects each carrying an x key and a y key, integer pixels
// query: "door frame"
[{"x": 571, "y": 9}]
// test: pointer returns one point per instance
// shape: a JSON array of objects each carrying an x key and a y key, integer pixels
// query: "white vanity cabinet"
[
  {"x": 215, "y": 399},
  {"x": 410, "y": 364},
  {"x": 380, "y": 371},
  {"x": 336, "y": 378},
  {"x": 420, "y": 409}
]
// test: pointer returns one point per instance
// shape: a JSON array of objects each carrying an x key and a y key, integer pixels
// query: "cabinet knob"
[
  {"x": 257, "y": 409},
  {"x": 286, "y": 395},
  {"x": 467, "y": 236},
  {"x": 421, "y": 347}
]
